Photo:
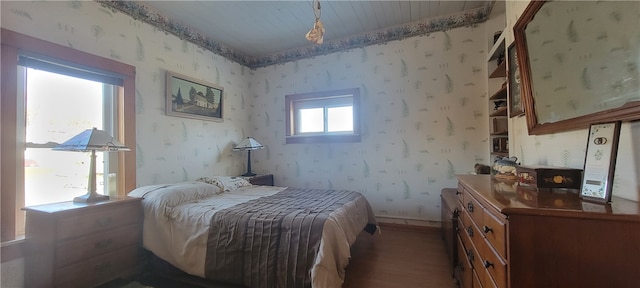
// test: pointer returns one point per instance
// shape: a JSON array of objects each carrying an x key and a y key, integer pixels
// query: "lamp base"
[
  {"x": 249, "y": 174},
  {"x": 90, "y": 198}
]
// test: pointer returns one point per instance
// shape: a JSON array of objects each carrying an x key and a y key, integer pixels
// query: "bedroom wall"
[
  {"x": 423, "y": 118},
  {"x": 169, "y": 149},
  {"x": 567, "y": 149}
]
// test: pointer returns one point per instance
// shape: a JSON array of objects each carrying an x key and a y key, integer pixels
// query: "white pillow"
[
  {"x": 175, "y": 194},
  {"x": 226, "y": 183}
]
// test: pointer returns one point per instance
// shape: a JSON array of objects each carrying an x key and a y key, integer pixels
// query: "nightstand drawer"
[
  {"x": 99, "y": 220},
  {"x": 97, "y": 270},
  {"x": 82, "y": 248}
]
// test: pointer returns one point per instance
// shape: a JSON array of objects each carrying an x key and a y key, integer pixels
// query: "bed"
[{"x": 227, "y": 230}]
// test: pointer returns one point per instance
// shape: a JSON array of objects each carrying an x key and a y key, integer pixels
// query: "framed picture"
[
  {"x": 515, "y": 101},
  {"x": 600, "y": 162},
  {"x": 191, "y": 98}
]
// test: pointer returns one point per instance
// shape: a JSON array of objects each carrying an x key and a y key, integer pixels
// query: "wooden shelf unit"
[{"x": 497, "y": 106}]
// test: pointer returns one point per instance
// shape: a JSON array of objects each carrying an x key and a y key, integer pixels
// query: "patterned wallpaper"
[
  {"x": 423, "y": 102},
  {"x": 423, "y": 120},
  {"x": 169, "y": 149}
]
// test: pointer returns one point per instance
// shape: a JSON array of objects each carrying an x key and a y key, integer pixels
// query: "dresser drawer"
[
  {"x": 461, "y": 192},
  {"x": 99, "y": 220},
  {"x": 98, "y": 270},
  {"x": 81, "y": 248},
  {"x": 476, "y": 280},
  {"x": 464, "y": 266},
  {"x": 472, "y": 253},
  {"x": 495, "y": 266},
  {"x": 475, "y": 209},
  {"x": 471, "y": 231},
  {"x": 494, "y": 230}
]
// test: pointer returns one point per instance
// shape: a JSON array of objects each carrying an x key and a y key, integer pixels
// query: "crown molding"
[{"x": 139, "y": 11}]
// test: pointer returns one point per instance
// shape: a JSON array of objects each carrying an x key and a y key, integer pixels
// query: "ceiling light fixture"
[{"x": 317, "y": 32}]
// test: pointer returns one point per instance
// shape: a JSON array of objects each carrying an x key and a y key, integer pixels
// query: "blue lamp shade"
[
  {"x": 92, "y": 140},
  {"x": 248, "y": 144}
]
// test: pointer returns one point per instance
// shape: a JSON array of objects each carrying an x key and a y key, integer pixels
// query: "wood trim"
[
  {"x": 626, "y": 113},
  {"x": 11, "y": 251},
  {"x": 8, "y": 141}
]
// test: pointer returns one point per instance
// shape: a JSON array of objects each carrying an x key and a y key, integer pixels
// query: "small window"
[{"x": 323, "y": 117}]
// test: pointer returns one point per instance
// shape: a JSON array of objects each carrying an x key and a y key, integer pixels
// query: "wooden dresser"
[
  {"x": 515, "y": 236},
  {"x": 82, "y": 245}
]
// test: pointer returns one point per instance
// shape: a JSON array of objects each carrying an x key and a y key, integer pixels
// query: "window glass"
[
  {"x": 340, "y": 119},
  {"x": 57, "y": 108},
  {"x": 311, "y": 120}
]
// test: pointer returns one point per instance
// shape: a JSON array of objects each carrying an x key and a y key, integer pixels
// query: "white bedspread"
[{"x": 176, "y": 228}]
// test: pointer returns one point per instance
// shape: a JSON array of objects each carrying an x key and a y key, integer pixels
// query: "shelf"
[
  {"x": 500, "y": 133},
  {"x": 500, "y": 94},
  {"x": 500, "y": 71},
  {"x": 497, "y": 47},
  {"x": 505, "y": 154},
  {"x": 502, "y": 111}
]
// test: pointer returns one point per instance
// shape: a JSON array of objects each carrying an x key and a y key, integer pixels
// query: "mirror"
[{"x": 579, "y": 63}]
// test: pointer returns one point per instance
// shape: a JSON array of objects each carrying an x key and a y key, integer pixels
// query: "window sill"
[
  {"x": 11, "y": 250},
  {"x": 323, "y": 139}
]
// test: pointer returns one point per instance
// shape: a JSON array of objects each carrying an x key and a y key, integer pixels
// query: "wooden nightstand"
[
  {"x": 264, "y": 180},
  {"x": 82, "y": 244}
]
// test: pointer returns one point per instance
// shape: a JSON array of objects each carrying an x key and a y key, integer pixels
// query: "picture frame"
[
  {"x": 600, "y": 162},
  {"x": 515, "y": 100},
  {"x": 188, "y": 97}
]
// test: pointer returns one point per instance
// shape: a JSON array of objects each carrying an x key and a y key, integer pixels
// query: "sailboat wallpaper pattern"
[{"x": 423, "y": 117}]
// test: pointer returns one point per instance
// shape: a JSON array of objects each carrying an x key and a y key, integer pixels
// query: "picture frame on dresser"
[
  {"x": 600, "y": 162},
  {"x": 515, "y": 100},
  {"x": 188, "y": 97}
]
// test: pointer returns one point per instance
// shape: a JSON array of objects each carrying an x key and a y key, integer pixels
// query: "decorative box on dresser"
[
  {"x": 516, "y": 236},
  {"x": 82, "y": 244}
]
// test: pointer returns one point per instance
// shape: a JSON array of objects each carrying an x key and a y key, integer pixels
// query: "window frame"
[
  {"x": 292, "y": 135},
  {"x": 11, "y": 147}
]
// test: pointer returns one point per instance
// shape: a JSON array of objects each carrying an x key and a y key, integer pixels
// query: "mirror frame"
[{"x": 627, "y": 112}]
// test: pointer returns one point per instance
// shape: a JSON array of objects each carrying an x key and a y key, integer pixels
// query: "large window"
[
  {"x": 56, "y": 108},
  {"x": 320, "y": 117},
  {"x": 36, "y": 111}
]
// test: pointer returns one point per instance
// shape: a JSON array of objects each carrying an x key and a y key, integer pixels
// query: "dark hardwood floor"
[
  {"x": 396, "y": 257},
  {"x": 399, "y": 257}
]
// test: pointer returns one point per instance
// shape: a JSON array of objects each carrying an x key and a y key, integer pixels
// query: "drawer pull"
[
  {"x": 487, "y": 264},
  {"x": 487, "y": 229},
  {"x": 458, "y": 192},
  {"x": 470, "y": 231},
  {"x": 104, "y": 222},
  {"x": 103, "y": 244},
  {"x": 470, "y": 255},
  {"x": 470, "y": 207}
]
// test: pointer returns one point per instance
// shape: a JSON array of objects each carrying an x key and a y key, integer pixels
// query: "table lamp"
[
  {"x": 248, "y": 144},
  {"x": 92, "y": 140}
]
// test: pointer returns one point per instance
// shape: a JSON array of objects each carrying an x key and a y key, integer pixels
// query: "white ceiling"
[{"x": 261, "y": 28}]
